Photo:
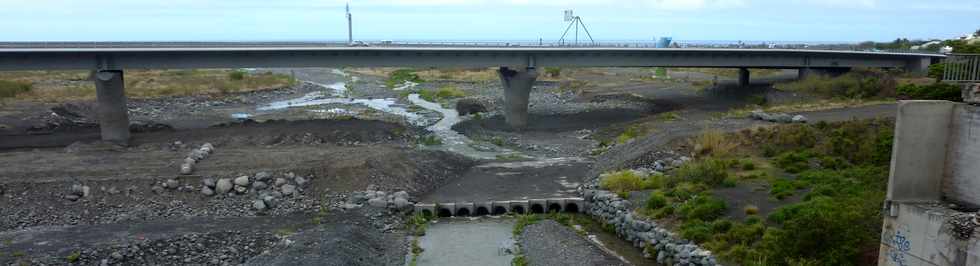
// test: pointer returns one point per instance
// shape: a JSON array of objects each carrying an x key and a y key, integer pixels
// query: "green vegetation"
[
  {"x": 443, "y": 93},
  {"x": 430, "y": 140},
  {"x": 400, "y": 76},
  {"x": 630, "y": 133},
  {"x": 856, "y": 84},
  {"x": 622, "y": 182},
  {"x": 74, "y": 256},
  {"x": 935, "y": 91},
  {"x": 669, "y": 116},
  {"x": 839, "y": 169},
  {"x": 523, "y": 221},
  {"x": 237, "y": 75},
  {"x": 59, "y": 86},
  {"x": 10, "y": 89},
  {"x": 552, "y": 72}
]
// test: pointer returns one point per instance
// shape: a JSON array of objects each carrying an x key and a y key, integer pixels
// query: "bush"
[
  {"x": 935, "y": 91},
  {"x": 856, "y": 84},
  {"x": 696, "y": 230},
  {"x": 237, "y": 75},
  {"x": 631, "y": 132},
  {"x": 444, "y": 92},
  {"x": 430, "y": 140},
  {"x": 709, "y": 171},
  {"x": 751, "y": 210},
  {"x": 823, "y": 229},
  {"x": 657, "y": 200},
  {"x": 400, "y": 76},
  {"x": 553, "y": 72},
  {"x": 703, "y": 207},
  {"x": 794, "y": 162},
  {"x": 686, "y": 190},
  {"x": 622, "y": 181},
  {"x": 713, "y": 143},
  {"x": 10, "y": 89}
]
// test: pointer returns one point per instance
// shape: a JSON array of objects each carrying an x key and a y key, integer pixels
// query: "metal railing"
[
  {"x": 962, "y": 68},
  {"x": 523, "y": 44}
]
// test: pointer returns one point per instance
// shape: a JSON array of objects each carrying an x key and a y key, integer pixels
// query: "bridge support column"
[
  {"x": 112, "y": 111},
  {"x": 803, "y": 73},
  {"x": 918, "y": 67},
  {"x": 517, "y": 90},
  {"x": 743, "y": 77}
]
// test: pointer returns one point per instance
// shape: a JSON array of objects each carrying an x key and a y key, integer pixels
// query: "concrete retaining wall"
[{"x": 961, "y": 182}]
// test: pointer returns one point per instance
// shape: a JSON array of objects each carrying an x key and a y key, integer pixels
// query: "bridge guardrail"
[
  {"x": 523, "y": 44},
  {"x": 962, "y": 68}
]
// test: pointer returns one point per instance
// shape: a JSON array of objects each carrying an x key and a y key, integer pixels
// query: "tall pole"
[{"x": 350, "y": 34}]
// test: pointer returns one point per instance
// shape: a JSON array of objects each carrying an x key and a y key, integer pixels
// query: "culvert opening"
[
  {"x": 517, "y": 209},
  {"x": 571, "y": 207},
  {"x": 426, "y": 213},
  {"x": 443, "y": 212},
  {"x": 481, "y": 211},
  {"x": 537, "y": 208},
  {"x": 554, "y": 207},
  {"x": 463, "y": 212},
  {"x": 499, "y": 210}
]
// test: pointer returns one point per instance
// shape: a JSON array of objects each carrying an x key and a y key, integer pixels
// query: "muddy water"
[{"x": 461, "y": 241}]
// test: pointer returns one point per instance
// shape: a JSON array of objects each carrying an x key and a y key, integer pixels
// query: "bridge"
[{"x": 517, "y": 64}]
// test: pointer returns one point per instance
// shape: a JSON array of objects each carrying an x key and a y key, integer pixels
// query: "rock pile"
[
  {"x": 267, "y": 189},
  {"x": 379, "y": 199},
  {"x": 658, "y": 242},
  {"x": 194, "y": 157},
  {"x": 777, "y": 117}
]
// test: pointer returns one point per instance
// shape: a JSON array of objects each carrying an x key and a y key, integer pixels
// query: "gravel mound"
[{"x": 549, "y": 243}]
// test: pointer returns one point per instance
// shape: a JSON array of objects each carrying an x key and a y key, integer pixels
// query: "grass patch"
[
  {"x": 935, "y": 91},
  {"x": 430, "y": 140},
  {"x": 711, "y": 171},
  {"x": 74, "y": 256},
  {"x": 400, "y": 76},
  {"x": 59, "y": 86},
  {"x": 443, "y": 93},
  {"x": 523, "y": 221},
  {"x": 669, "y": 116},
  {"x": 713, "y": 143},
  {"x": 856, "y": 84},
  {"x": 10, "y": 89},
  {"x": 622, "y": 182}
]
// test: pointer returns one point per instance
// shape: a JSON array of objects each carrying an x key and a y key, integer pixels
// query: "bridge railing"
[
  {"x": 962, "y": 68},
  {"x": 523, "y": 44}
]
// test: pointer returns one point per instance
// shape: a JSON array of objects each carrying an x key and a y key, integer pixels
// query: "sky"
[{"x": 607, "y": 20}]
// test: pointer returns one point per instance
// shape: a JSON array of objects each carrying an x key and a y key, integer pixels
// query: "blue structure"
[{"x": 664, "y": 42}]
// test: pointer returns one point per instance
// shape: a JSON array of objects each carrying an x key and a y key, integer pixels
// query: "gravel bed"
[{"x": 549, "y": 243}]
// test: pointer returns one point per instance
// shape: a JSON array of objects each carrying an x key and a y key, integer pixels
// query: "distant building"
[{"x": 664, "y": 42}]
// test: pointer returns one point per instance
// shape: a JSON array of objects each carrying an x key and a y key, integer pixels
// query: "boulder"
[
  {"x": 208, "y": 182},
  {"x": 258, "y": 205},
  {"x": 377, "y": 202},
  {"x": 259, "y": 185},
  {"x": 288, "y": 190},
  {"x": 207, "y": 191},
  {"x": 262, "y": 176},
  {"x": 402, "y": 203},
  {"x": 799, "y": 119},
  {"x": 242, "y": 181},
  {"x": 280, "y": 181},
  {"x": 224, "y": 186},
  {"x": 468, "y": 106}
]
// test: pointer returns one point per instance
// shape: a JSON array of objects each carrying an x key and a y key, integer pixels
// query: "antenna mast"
[
  {"x": 350, "y": 34},
  {"x": 576, "y": 21}
]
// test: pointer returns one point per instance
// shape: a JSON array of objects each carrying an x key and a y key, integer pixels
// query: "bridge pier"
[
  {"x": 743, "y": 77},
  {"x": 517, "y": 89},
  {"x": 112, "y": 111},
  {"x": 918, "y": 67}
]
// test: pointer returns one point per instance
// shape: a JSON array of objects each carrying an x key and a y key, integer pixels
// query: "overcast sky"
[{"x": 229, "y": 20}]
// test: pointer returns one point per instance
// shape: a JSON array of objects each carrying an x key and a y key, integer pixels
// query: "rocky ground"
[
  {"x": 313, "y": 185},
  {"x": 548, "y": 243}
]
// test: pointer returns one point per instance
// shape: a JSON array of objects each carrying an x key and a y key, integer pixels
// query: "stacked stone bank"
[{"x": 665, "y": 246}]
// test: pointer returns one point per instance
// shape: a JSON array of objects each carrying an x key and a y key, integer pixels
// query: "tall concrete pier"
[
  {"x": 743, "y": 77},
  {"x": 517, "y": 90},
  {"x": 112, "y": 111}
]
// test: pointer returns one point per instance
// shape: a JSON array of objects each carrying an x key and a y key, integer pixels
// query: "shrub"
[
  {"x": 831, "y": 231},
  {"x": 686, "y": 190},
  {"x": 622, "y": 181},
  {"x": 553, "y": 72},
  {"x": 696, "y": 230},
  {"x": 709, "y": 171},
  {"x": 713, "y": 143},
  {"x": 400, "y": 76},
  {"x": 444, "y": 92},
  {"x": 747, "y": 165},
  {"x": 703, "y": 207},
  {"x": 9, "y": 89},
  {"x": 751, "y": 210},
  {"x": 663, "y": 212},
  {"x": 721, "y": 226},
  {"x": 857, "y": 84},
  {"x": 782, "y": 189},
  {"x": 430, "y": 140},
  {"x": 794, "y": 162},
  {"x": 657, "y": 200},
  {"x": 631, "y": 132},
  {"x": 237, "y": 75},
  {"x": 935, "y": 91}
]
